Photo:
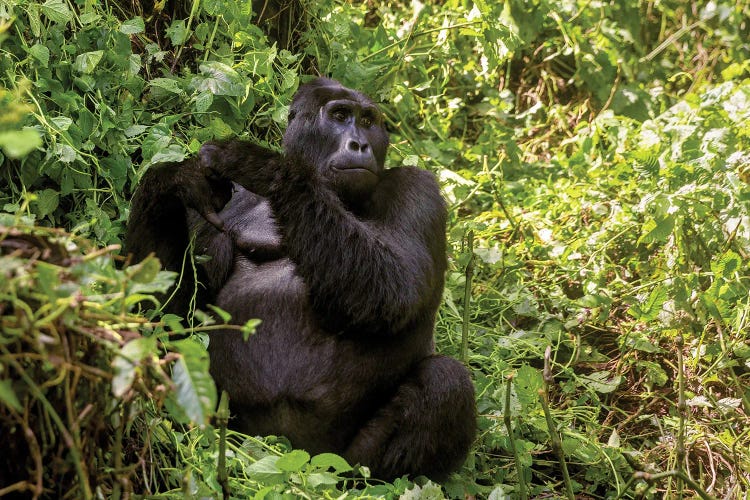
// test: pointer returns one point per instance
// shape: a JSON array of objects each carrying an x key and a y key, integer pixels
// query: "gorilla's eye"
[
  {"x": 366, "y": 121},
  {"x": 340, "y": 114}
]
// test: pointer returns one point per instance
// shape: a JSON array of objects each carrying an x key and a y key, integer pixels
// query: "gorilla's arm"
[
  {"x": 379, "y": 272},
  {"x": 160, "y": 222}
]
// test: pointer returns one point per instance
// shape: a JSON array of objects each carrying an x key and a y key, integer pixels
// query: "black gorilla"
[{"x": 343, "y": 262}]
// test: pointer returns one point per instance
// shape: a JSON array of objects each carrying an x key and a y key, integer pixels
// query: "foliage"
[
  {"x": 599, "y": 152},
  {"x": 81, "y": 386}
]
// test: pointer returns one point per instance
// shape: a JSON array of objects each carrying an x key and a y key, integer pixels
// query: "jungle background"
[{"x": 595, "y": 156}]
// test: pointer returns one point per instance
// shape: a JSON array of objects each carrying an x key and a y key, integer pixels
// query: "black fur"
[{"x": 343, "y": 261}]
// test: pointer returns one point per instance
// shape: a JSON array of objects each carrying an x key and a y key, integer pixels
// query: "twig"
[
  {"x": 652, "y": 478},
  {"x": 554, "y": 436},
  {"x": 512, "y": 438},
  {"x": 681, "y": 410},
  {"x": 75, "y": 452},
  {"x": 222, "y": 420},
  {"x": 467, "y": 297}
]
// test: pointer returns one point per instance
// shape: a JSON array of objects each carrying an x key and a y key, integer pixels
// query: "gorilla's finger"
[{"x": 215, "y": 220}]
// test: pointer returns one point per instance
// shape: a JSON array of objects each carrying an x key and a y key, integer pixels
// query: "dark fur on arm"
[{"x": 159, "y": 222}]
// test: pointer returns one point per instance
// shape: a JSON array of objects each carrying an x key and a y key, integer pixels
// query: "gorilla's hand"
[
  {"x": 250, "y": 165},
  {"x": 204, "y": 190}
]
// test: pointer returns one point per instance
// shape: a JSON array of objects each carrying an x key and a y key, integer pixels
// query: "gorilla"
[{"x": 343, "y": 261}]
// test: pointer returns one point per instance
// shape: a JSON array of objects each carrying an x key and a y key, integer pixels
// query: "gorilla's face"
[{"x": 341, "y": 132}]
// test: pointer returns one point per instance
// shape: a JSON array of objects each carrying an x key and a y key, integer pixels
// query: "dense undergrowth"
[{"x": 596, "y": 159}]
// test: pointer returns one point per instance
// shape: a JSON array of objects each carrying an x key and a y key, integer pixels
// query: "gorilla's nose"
[{"x": 357, "y": 146}]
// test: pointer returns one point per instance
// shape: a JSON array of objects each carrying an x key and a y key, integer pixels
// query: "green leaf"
[
  {"x": 203, "y": 101},
  {"x": 650, "y": 309},
  {"x": 195, "y": 389},
  {"x": 657, "y": 230},
  {"x": 603, "y": 382},
  {"x": 89, "y": 18},
  {"x": 178, "y": 32},
  {"x": 293, "y": 461},
  {"x": 8, "y": 395},
  {"x": 19, "y": 143},
  {"x": 128, "y": 360},
  {"x": 654, "y": 372},
  {"x": 173, "y": 153},
  {"x": 430, "y": 491},
  {"x": 40, "y": 53},
  {"x": 145, "y": 271},
  {"x": 527, "y": 383},
  {"x": 322, "y": 478},
  {"x": 160, "y": 284},
  {"x": 168, "y": 84},
  {"x": 86, "y": 62},
  {"x": 65, "y": 153},
  {"x": 221, "y": 313},
  {"x": 218, "y": 79},
  {"x": 614, "y": 439},
  {"x": 249, "y": 328},
  {"x": 331, "y": 460},
  {"x": 57, "y": 11},
  {"x": 61, "y": 123},
  {"x": 46, "y": 202},
  {"x": 133, "y": 26},
  {"x": 727, "y": 265},
  {"x": 265, "y": 470},
  {"x": 48, "y": 279}
]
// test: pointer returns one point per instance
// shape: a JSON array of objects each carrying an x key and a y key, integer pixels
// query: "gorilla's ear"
[{"x": 292, "y": 114}]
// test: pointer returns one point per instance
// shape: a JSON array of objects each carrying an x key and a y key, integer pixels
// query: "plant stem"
[
  {"x": 681, "y": 410},
  {"x": 467, "y": 297},
  {"x": 222, "y": 420},
  {"x": 554, "y": 436},
  {"x": 512, "y": 439}
]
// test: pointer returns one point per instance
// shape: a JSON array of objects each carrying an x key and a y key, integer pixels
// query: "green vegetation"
[{"x": 596, "y": 159}]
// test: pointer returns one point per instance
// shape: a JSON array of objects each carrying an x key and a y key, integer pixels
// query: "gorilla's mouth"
[{"x": 354, "y": 169}]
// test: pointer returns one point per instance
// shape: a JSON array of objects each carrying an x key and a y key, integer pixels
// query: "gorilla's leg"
[{"x": 425, "y": 429}]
